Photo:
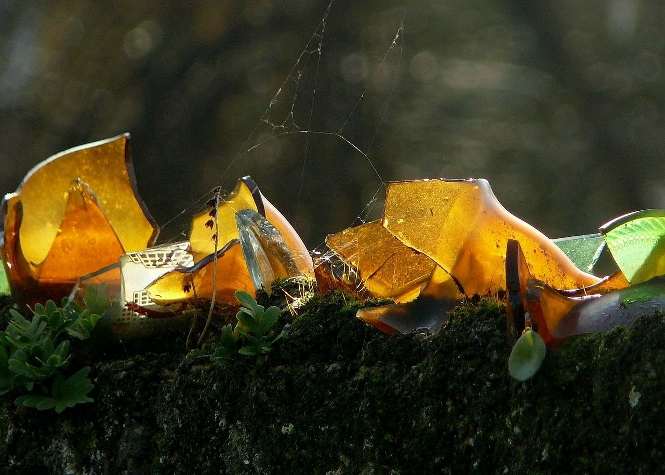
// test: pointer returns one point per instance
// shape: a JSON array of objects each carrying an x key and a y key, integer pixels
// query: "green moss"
[{"x": 337, "y": 396}]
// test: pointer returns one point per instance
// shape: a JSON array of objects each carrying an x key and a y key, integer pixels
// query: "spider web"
[{"x": 292, "y": 120}]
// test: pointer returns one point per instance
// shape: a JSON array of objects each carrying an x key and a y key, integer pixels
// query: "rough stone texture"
[{"x": 337, "y": 397}]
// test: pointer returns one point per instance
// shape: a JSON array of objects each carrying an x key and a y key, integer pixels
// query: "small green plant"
[
  {"x": 252, "y": 335},
  {"x": 527, "y": 356},
  {"x": 34, "y": 354}
]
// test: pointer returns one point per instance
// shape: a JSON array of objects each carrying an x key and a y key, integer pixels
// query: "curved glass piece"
[
  {"x": 599, "y": 313},
  {"x": 73, "y": 214},
  {"x": 266, "y": 253},
  {"x": 216, "y": 226},
  {"x": 85, "y": 243},
  {"x": 197, "y": 282},
  {"x": 548, "y": 307},
  {"x": 462, "y": 227},
  {"x": 637, "y": 243},
  {"x": 107, "y": 169}
]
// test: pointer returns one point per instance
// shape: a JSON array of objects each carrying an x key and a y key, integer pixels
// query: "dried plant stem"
[{"x": 214, "y": 274}]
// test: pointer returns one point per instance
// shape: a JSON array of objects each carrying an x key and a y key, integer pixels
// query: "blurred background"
[{"x": 559, "y": 104}]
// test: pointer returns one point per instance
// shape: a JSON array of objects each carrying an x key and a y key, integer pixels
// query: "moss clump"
[{"x": 338, "y": 397}]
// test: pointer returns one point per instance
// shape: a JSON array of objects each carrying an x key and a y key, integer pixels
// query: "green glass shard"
[
  {"x": 583, "y": 250},
  {"x": 637, "y": 243}
]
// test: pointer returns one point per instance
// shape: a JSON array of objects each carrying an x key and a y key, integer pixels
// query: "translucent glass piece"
[
  {"x": 332, "y": 273},
  {"x": 637, "y": 243},
  {"x": 462, "y": 227},
  {"x": 194, "y": 283},
  {"x": 266, "y": 254},
  {"x": 583, "y": 250},
  {"x": 599, "y": 313},
  {"x": 422, "y": 314},
  {"x": 546, "y": 306},
  {"x": 139, "y": 269},
  {"x": 86, "y": 242},
  {"x": 106, "y": 167},
  {"x": 73, "y": 214},
  {"x": 218, "y": 224},
  {"x": 253, "y": 251},
  {"x": 387, "y": 268}
]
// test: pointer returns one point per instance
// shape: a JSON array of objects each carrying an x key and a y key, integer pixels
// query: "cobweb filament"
[
  {"x": 288, "y": 124},
  {"x": 295, "y": 107}
]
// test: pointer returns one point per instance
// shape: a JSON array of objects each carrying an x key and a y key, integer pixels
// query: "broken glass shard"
[
  {"x": 387, "y": 268},
  {"x": 422, "y": 314},
  {"x": 457, "y": 232},
  {"x": 107, "y": 169},
  {"x": 548, "y": 307},
  {"x": 215, "y": 277},
  {"x": 600, "y": 313},
  {"x": 261, "y": 251},
  {"x": 583, "y": 250},
  {"x": 73, "y": 213},
  {"x": 637, "y": 243},
  {"x": 266, "y": 254},
  {"x": 462, "y": 227},
  {"x": 216, "y": 226}
]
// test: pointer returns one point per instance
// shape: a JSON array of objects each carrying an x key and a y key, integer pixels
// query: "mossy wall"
[{"x": 338, "y": 397}]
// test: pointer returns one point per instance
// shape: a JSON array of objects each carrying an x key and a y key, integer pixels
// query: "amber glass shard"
[
  {"x": 422, "y": 314},
  {"x": 297, "y": 248},
  {"x": 85, "y": 242},
  {"x": 387, "y": 267},
  {"x": 74, "y": 213},
  {"x": 197, "y": 282},
  {"x": 517, "y": 276},
  {"x": 216, "y": 226},
  {"x": 107, "y": 169},
  {"x": 599, "y": 313},
  {"x": 18, "y": 270},
  {"x": 546, "y": 306},
  {"x": 141, "y": 268},
  {"x": 462, "y": 226},
  {"x": 332, "y": 273},
  {"x": 212, "y": 229}
]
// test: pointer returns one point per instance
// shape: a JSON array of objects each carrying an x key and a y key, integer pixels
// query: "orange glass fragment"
[
  {"x": 462, "y": 226},
  {"x": 443, "y": 239},
  {"x": 96, "y": 244},
  {"x": 253, "y": 251},
  {"x": 106, "y": 168},
  {"x": 198, "y": 281},
  {"x": 216, "y": 226},
  {"x": 73, "y": 214},
  {"x": 387, "y": 267},
  {"x": 546, "y": 306}
]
